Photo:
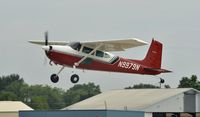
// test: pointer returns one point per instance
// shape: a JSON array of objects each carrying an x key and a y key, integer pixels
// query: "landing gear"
[
  {"x": 162, "y": 81},
  {"x": 74, "y": 78},
  {"x": 54, "y": 78}
]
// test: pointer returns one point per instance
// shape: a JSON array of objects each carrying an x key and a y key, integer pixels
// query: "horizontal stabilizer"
[{"x": 157, "y": 70}]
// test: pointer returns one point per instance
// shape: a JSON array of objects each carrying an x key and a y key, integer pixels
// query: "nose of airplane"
[{"x": 47, "y": 48}]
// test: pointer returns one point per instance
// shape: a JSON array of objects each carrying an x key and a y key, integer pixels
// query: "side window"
[
  {"x": 99, "y": 53},
  {"x": 87, "y": 50},
  {"x": 106, "y": 55}
]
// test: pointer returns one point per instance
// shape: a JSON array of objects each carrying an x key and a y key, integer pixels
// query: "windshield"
[{"x": 75, "y": 45}]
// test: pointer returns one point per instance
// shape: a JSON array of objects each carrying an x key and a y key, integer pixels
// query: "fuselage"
[
  {"x": 99, "y": 60},
  {"x": 94, "y": 55}
]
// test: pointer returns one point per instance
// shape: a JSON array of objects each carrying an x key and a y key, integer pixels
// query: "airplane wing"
[
  {"x": 115, "y": 45},
  {"x": 42, "y": 42},
  {"x": 107, "y": 45}
]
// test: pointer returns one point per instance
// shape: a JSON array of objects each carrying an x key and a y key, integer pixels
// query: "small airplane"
[{"x": 95, "y": 55}]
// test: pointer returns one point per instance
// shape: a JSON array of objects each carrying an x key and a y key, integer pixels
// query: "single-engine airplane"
[{"x": 95, "y": 55}]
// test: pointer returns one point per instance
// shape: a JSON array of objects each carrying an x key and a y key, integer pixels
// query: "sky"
[{"x": 175, "y": 23}]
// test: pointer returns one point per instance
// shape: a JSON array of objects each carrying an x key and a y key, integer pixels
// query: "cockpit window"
[
  {"x": 87, "y": 50},
  {"x": 75, "y": 45},
  {"x": 99, "y": 53},
  {"x": 106, "y": 55}
]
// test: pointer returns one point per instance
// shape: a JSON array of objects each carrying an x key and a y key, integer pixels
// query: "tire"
[
  {"x": 54, "y": 78},
  {"x": 74, "y": 78},
  {"x": 162, "y": 81}
]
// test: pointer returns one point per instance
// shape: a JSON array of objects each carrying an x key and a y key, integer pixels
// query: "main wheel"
[
  {"x": 54, "y": 78},
  {"x": 74, "y": 78}
]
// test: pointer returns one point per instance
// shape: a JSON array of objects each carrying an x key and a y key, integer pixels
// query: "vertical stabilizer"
[{"x": 153, "y": 58}]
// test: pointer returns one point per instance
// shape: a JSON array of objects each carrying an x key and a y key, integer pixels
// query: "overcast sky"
[{"x": 175, "y": 23}]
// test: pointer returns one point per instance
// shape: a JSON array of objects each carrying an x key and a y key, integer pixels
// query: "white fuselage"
[{"x": 103, "y": 56}]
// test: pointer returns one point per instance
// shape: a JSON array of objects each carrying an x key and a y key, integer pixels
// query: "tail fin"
[{"x": 153, "y": 58}]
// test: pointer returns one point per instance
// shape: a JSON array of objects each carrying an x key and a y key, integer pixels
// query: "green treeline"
[
  {"x": 41, "y": 97},
  {"x": 185, "y": 82}
]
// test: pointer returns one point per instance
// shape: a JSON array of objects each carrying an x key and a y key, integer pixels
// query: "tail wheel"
[
  {"x": 54, "y": 78},
  {"x": 162, "y": 81},
  {"x": 74, "y": 78}
]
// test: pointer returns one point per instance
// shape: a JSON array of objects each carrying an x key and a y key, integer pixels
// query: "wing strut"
[{"x": 77, "y": 63}]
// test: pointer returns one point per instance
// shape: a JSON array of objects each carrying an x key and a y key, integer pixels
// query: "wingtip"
[
  {"x": 38, "y": 42},
  {"x": 139, "y": 40},
  {"x": 30, "y": 41}
]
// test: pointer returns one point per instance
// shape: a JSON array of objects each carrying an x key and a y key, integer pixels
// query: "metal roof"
[
  {"x": 13, "y": 106},
  {"x": 131, "y": 99}
]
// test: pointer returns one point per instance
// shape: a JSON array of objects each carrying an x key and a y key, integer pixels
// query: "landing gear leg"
[
  {"x": 50, "y": 63},
  {"x": 54, "y": 77}
]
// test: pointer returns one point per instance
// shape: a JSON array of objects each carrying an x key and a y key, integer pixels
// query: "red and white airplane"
[{"x": 95, "y": 55}]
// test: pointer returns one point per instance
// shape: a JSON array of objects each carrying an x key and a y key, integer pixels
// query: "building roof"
[
  {"x": 131, "y": 99},
  {"x": 13, "y": 106}
]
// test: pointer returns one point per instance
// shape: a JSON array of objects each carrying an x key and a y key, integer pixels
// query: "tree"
[
  {"x": 7, "y": 80},
  {"x": 142, "y": 86},
  {"x": 41, "y": 96},
  {"x": 8, "y": 96},
  {"x": 18, "y": 88},
  {"x": 39, "y": 103},
  {"x": 191, "y": 82},
  {"x": 81, "y": 92},
  {"x": 11, "y": 87}
]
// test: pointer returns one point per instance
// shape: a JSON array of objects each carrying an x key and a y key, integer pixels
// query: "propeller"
[
  {"x": 46, "y": 38},
  {"x": 46, "y": 44},
  {"x": 47, "y": 41}
]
